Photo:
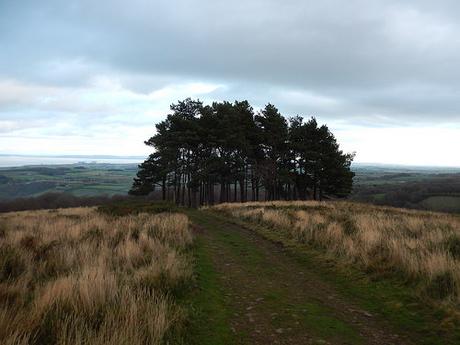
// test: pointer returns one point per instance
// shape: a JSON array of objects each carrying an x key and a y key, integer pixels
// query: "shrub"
[
  {"x": 94, "y": 235},
  {"x": 453, "y": 246},
  {"x": 119, "y": 237},
  {"x": 3, "y": 227},
  {"x": 135, "y": 207},
  {"x": 12, "y": 265},
  {"x": 349, "y": 225},
  {"x": 442, "y": 285},
  {"x": 57, "y": 200}
]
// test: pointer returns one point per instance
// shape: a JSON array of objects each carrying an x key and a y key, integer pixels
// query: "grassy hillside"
[
  {"x": 421, "y": 250},
  {"x": 256, "y": 273},
  {"x": 77, "y": 276}
]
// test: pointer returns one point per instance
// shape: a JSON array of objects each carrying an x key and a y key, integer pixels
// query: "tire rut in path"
[{"x": 275, "y": 299}]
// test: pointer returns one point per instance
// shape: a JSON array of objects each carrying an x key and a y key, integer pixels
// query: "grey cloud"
[{"x": 391, "y": 59}]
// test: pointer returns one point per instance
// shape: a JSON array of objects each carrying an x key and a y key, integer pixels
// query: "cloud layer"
[{"x": 98, "y": 71}]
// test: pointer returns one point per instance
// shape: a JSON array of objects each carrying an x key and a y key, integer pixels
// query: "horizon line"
[{"x": 102, "y": 156}]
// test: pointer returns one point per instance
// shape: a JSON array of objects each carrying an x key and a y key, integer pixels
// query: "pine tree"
[{"x": 200, "y": 148}]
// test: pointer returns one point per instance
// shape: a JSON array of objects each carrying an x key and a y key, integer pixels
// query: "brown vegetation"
[
  {"x": 75, "y": 276},
  {"x": 422, "y": 247},
  {"x": 58, "y": 200}
]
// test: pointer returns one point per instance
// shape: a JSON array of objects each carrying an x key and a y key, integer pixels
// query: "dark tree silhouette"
[{"x": 225, "y": 152}]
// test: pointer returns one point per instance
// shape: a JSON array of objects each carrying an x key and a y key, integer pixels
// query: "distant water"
[{"x": 18, "y": 161}]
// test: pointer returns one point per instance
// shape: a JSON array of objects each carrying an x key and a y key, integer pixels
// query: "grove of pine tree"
[{"x": 225, "y": 152}]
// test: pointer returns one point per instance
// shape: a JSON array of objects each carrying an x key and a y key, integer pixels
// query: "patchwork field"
[
  {"x": 76, "y": 276},
  {"x": 434, "y": 189}
]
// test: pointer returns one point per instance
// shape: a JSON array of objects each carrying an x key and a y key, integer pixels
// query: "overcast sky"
[{"x": 93, "y": 77}]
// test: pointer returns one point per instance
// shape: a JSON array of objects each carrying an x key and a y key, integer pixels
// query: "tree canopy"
[{"x": 226, "y": 152}]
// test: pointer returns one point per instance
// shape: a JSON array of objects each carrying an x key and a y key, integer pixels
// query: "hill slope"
[{"x": 399, "y": 264}]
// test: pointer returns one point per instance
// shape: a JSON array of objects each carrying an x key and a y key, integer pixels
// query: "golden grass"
[
  {"x": 423, "y": 246},
  {"x": 75, "y": 276}
]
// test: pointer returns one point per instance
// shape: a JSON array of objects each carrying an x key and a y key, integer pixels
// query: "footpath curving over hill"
[
  {"x": 272, "y": 298},
  {"x": 253, "y": 273},
  {"x": 331, "y": 273}
]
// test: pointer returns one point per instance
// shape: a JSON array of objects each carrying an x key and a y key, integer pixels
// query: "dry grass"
[
  {"x": 423, "y": 247},
  {"x": 75, "y": 276}
]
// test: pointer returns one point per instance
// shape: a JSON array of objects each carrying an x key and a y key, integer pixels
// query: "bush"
[
  {"x": 348, "y": 223},
  {"x": 57, "y": 200},
  {"x": 94, "y": 235},
  {"x": 2, "y": 229},
  {"x": 11, "y": 263},
  {"x": 135, "y": 207},
  {"x": 442, "y": 286},
  {"x": 453, "y": 246}
]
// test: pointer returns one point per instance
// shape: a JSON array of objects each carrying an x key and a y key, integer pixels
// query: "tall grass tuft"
[{"x": 77, "y": 276}]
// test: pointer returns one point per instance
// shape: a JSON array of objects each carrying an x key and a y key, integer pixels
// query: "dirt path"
[{"x": 274, "y": 299}]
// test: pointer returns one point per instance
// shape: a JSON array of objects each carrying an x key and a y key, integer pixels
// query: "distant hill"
[{"x": 426, "y": 188}]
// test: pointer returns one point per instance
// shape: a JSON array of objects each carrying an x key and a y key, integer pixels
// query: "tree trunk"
[
  {"x": 189, "y": 196},
  {"x": 245, "y": 179},
  {"x": 183, "y": 190},
  {"x": 242, "y": 191},
  {"x": 178, "y": 188},
  {"x": 211, "y": 192},
  {"x": 222, "y": 191}
]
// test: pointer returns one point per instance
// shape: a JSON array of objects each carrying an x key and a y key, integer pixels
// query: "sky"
[{"x": 93, "y": 77}]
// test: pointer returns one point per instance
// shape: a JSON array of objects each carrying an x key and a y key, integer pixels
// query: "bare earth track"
[{"x": 274, "y": 299}]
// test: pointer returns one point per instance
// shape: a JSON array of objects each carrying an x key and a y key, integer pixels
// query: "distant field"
[
  {"x": 426, "y": 189},
  {"x": 76, "y": 179},
  {"x": 442, "y": 203}
]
